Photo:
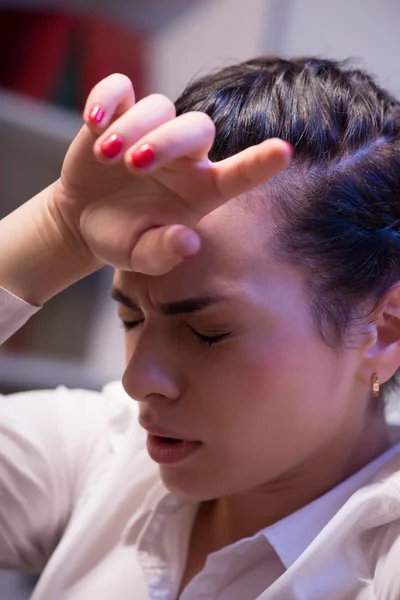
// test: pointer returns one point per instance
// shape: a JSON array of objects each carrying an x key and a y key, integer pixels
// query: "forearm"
[{"x": 36, "y": 261}]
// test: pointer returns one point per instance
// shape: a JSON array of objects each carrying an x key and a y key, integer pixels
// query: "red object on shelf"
[
  {"x": 35, "y": 44},
  {"x": 38, "y": 45},
  {"x": 110, "y": 48}
]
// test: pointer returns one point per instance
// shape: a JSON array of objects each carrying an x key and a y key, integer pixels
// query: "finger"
[
  {"x": 162, "y": 248},
  {"x": 190, "y": 136},
  {"x": 111, "y": 97},
  {"x": 145, "y": 115},
  {"x": 251, "y": 167}
]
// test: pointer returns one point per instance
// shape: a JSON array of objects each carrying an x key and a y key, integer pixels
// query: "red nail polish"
[
  {"x": 290, "y": 148},
  {"x": 96, "y": 114},
  {"x": 143, "y": 156},
  {"x": 111, "y": 146}
]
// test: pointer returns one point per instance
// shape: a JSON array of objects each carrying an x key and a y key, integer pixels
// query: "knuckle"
[
  {"x": 245, "y": 173},
  {"x": 119, "y": 78},
  {"x": 202, "y": 123},
  {"x": 112, "y": 85},
  {"x": 205, "y": 122},
  {"x": 164, "y": 103},
  {"x": 208, "y": 122}
]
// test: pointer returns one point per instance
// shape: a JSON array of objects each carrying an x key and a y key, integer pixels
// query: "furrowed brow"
[
  {"x": 186, "y": 306},
  {"x": 118, "y": 296},
  {"x": 189, "y": 305}
]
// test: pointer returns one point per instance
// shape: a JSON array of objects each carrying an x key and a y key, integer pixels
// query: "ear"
[{"x": 381, "y": 352}]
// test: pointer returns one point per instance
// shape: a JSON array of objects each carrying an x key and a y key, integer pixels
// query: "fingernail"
[
  {"x": 290, "y": 148},
  {"x": 111, "y": 146},
  {"x": 190, "y": 244},
  {"x": 143, "y": 156},
  {"x": 96, "y": 114}
]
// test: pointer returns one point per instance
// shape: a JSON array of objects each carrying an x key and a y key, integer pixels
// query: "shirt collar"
[{"x": 292, "y": 535}]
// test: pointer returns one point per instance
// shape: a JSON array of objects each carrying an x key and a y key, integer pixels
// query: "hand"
[{"x": 143, "y": 219}]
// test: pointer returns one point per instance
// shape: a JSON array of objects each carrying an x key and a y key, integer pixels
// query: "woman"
[{"x": 262, "y": 314}]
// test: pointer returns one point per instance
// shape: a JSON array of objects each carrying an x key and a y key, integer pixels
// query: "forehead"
[{"x": 234, "y": 253}]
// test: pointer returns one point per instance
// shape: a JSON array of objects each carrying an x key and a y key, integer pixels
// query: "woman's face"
[{"x": 266, "y": 399}]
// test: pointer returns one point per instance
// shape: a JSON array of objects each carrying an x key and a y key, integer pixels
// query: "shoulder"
[
  {"x": 379, "y": 535},
  {"x": 81, "y": 431},
  {"x": 69, "y": 413},
  {"x": 69, "y": 409},
  {"x": 382, "y": 554}
]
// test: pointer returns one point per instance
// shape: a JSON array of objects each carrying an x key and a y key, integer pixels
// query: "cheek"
[
  {"x": 274, "y": 376},
  {"x": 274, "y": 404},
  {"x": 129, "y": 347}
]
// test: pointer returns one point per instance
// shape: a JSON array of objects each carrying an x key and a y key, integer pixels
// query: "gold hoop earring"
[{"x": 375, "y": 385}]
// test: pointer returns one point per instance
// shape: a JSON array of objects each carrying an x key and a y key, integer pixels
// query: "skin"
[{"x": 281, "y": 416}]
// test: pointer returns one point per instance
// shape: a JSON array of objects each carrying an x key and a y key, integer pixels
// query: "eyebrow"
[{"x": 169, "y": 309}]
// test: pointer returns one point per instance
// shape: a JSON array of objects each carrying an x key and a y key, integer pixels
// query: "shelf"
[
  {"x": 28, "y": 372},
  {"x": 38, "y": 119},
  {"x": 85, "y": 318},
  {"x": 150, "y": 16},
  {"x": 35, "y": 137}
]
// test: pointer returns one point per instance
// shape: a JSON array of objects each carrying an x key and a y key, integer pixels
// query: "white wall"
[
  {"x": 190, "y": 35},
  {"x": 366, "y": 29},
  {"x": 209, "y": 34},
  {"x": 212, "y": 33}
]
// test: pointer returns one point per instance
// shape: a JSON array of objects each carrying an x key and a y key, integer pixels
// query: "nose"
[{"x": 151, "y": 372}]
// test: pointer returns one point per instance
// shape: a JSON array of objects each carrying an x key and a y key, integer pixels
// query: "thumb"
[
  {"x": 249, "y": 168},
  {"x": 160, "y": 249}
]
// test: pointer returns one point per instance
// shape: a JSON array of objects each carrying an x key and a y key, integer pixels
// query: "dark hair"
[{"x": 339, "y": 201}]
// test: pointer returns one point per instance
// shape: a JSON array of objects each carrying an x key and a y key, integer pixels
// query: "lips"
[
  {"x": 163, "y": 432},
  {"x": 170, "y": 451}
]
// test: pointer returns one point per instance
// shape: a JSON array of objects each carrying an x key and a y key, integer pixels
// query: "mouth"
[
  {"x": 164, "y": 432},
  {"x": 168, "y": 450}
]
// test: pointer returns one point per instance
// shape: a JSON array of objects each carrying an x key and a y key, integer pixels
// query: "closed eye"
[
  {"x": 203, "y": 340},
  {"x": 206, "y": 340},
  {"x": 128, "y": 325}
]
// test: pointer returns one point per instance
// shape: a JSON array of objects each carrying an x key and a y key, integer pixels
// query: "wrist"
[{"x": 38, "y": 259}]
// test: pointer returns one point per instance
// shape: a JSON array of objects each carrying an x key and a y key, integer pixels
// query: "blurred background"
[{"x": 54, "y": 51}]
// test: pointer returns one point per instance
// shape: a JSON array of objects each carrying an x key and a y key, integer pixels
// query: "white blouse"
[{"x": 82, "y": 503}]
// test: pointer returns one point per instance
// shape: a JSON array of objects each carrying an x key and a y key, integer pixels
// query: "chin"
[{"x": 189, "y": 486}]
